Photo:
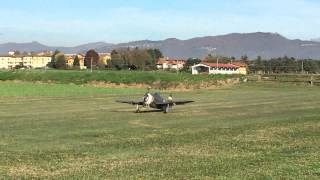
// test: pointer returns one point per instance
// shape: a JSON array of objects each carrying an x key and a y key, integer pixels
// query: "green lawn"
[
  {"x": 22, "y": 89},
  {"x": 250, "y": 131}
]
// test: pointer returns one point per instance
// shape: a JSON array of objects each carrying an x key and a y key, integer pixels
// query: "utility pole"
[
  {"x": 216, "y": 54},
  {"x": 217, "y": 62},
  {"x": 270, "y": 68},
  {"x": 91, "y": 63},
  {"x": 302, "y": 68}
]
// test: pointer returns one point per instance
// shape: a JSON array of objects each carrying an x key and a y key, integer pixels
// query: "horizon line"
[{"x": 131, "y": 41}]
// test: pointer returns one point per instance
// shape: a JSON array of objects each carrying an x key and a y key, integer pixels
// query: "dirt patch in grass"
[
  {"x": 76, "y": 165},
  {"x": 30, "y": 170},
  {"x": 24, "y": 170},
  {"x": 121, "y": 164},
  {"x": 142, "y": 124},
  {"x": 278, "y": 134}
]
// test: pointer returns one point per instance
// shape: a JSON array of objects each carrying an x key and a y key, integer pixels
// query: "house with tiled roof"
[
  {"x": 168, "y": 64},
  {"x": 104, "y": 58}
]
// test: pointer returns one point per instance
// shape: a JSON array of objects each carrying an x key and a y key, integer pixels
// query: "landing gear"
[
  {"x": 137, "y": 109},
  {"x": 166, "y": 109}
]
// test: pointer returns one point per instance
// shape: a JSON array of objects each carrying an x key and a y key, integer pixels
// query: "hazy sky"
[{"x": 72, "y": 22}]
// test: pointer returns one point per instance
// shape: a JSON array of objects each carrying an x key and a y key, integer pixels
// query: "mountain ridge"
[{"x": 267, "y": 45}]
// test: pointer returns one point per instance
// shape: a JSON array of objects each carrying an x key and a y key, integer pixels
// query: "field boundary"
[
  {"x": 125, "y": 79},
  {"x": 308, "y": 79}
]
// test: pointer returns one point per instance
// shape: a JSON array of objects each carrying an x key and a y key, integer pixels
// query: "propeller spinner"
[{"x": 148, "y": 99}]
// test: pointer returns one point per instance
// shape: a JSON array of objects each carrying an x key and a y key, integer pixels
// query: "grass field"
[{"x": 250, "y": 131}]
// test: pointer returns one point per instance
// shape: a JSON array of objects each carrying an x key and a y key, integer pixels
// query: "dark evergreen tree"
[{"x": 76, "y": 61}]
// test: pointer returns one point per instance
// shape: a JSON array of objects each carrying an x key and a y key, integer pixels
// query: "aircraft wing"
[
  {"x": 131, "y": 102},
  {"x": 182, "y": 102},
  {"x": 175, "y": 103}
]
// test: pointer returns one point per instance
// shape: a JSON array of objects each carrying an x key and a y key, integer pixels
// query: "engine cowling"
[{"x": 148, "y": 99}]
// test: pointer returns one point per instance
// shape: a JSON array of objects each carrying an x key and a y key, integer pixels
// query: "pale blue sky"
[{"x": 72, "y": 22}]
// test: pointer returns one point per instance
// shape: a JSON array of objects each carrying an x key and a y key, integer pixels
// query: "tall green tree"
[
  {"x": 213, "y": 59},
  {"x": 258, "y": 65},
  {"x": 134, "y": 58},
  {"x": 285, "y": 65},
  {"x": 155, "y": 54},
  {"x": 116, "y": 61},
  {"x": 191, "y": 62},
  {"x": 60, "y": 61},
  {"x": 76, "y": 61},
  {"x": 92, "y": 57},
  {"x": 53, "y": 59},
  {"x": 245, "y": 59}
]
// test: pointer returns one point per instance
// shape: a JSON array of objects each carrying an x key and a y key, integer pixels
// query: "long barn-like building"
[{"x": 216, "y": 68}]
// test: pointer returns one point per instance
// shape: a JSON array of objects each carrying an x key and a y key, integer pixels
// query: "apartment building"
[{"x": 11, "y": 61}]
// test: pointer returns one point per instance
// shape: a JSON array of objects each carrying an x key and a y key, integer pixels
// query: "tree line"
[
  {"x": 143, "y": 59},
  {"x": 133, "y": 59},
  {"x": 284, "y": 65},
  {"x": 264, "y": 66},
  {"x": 146, "y": 59},
  {"x": 91, "y": 58}
]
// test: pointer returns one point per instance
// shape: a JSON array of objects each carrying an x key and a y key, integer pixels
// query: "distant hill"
[
  {"x": 23, "y": 47},
  {"x": 36, "y": 47},
  {"x": 267, "y": 45},
  {"x": 316, "y": 39}
]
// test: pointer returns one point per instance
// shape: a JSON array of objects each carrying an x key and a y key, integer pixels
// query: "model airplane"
[{"x": 155, "y": 101}]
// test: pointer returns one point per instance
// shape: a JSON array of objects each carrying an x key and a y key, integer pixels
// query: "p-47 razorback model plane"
[{"x": 155, "y": 101}]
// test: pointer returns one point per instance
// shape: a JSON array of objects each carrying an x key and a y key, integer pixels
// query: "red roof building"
[
  {"x": 214, "y": 65},
  {"x": 170, "y": 64},
  {"x": 217, "y": 68}
]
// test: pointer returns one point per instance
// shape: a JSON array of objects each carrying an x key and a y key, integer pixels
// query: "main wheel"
[
  {"x": 137, "y": 109},
  {"x": 166, "y": 109}
]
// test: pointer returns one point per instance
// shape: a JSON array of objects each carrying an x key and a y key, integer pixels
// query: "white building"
[
  {"x": 214, "y": 68},
  {"x": 36, "y": 61},
  {"x": 10, "y": 62},
  {"x": 11, "y": 53},
  {"x": 4, "y": 62}
]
